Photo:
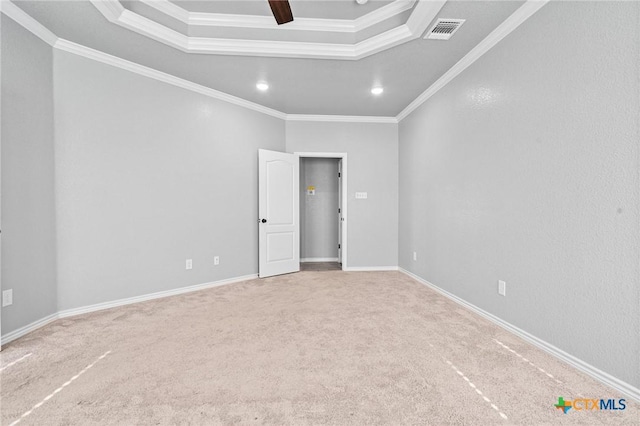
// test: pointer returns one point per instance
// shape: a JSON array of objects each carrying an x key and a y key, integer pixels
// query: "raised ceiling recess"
[{"x": 251, "y": 30}]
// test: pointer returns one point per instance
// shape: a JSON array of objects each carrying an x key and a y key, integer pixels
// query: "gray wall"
[
  {"x": 372, "y": 150},
  {"x": 319, "y": 212},
  {"x": 525, "y": 168},
  {"x": 150, "y": 175},
  {"x": 28, "y": 215}
]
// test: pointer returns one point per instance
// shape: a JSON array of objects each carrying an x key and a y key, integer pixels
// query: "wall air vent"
[{"x": 444, "y": 29}]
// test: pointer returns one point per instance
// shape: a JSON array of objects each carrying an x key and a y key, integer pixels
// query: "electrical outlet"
[
  {"x": 7, "y": 297},
  {"x": 502, "y": 288},
  {"x": 189, "y": 264},
  {"x": 216, "y": 260},
  {"x": 415, "y": 255}
]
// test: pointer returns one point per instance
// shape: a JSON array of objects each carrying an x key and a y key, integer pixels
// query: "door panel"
[
  {"x": 279, "y": 200},
  {"x": 279, "y": 213},
  {"x": 280, "y": 247}
]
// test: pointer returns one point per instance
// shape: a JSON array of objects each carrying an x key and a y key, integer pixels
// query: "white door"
[
  {"x": 279, "y": 213},
  {"x": 340, "y": 211}
]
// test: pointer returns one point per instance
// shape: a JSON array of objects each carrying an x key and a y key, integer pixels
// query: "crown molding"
[
  {"x": 384, "y": 41},
  {"x": 266, "y": 22},
  {"x": 36, "y": 28},
  {"x": 342, "y": 118},
  {"x": 285, "y": 49},
  {"x": 105, "y": 58},
  {"x": 423, "y": 13},
  {"x": 111, "y": 9},
  {"x": 511, "y": 23},
  {"x": 382, "y": 14},
  {"x": 171, "y": 9},
  {"x": 27, "y": 22}
]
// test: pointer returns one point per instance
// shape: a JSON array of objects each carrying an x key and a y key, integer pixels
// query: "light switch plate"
[{"x": 361, "y": 195}]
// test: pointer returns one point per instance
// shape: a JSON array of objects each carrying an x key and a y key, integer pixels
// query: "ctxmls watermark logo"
[{"x": 584, "y": 404}]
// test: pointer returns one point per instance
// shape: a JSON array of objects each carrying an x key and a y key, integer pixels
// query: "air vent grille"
[{"x": 444, "y": 29}]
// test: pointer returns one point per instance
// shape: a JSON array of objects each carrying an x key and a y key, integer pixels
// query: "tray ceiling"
[
  {"x": 255, "y": 33},
  {"x": 297, "y": 85}
]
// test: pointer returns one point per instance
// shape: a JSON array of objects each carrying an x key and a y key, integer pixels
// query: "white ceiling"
[{"x": 298, "y": 85}]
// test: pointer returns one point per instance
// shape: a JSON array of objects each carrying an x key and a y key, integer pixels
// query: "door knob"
[{"x": 264, "y": 221}]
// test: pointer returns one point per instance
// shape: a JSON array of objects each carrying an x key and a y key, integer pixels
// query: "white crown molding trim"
[
  {"x": 511, "y": 23},
  {"x": 111, "y": 9},
  {"x": 15, "y": 334},
  {"x": 267, "y": 22},
  {"x": 20, "y": 17},
  {"x": 342, "y": 118},
  {"x": 39, "y": 30},
  {"x": 423, "y": 13},
  {"x": 318, "y": 259},
  {"x": 124, "y": 64},
  {"x": 384, "y": 41},
  {"x": 382, "y": 14},
  {"x": 170, "y": 9},
  {"x": 617, "y": 384},
  {"x": 26, "y": 21},
  {"x": 285, "y": 49},
  {"x": 371, "y": 268}
]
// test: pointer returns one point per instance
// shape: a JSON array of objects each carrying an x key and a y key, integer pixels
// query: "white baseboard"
[
  {"x": 115, "y": 303},
  {"x": 13, "y": 335},
  {"x": 158, "y": 295},
  {"x": 318, "y": 259},
  {"x": 370, "y": 268},
  {"x": 623, "y": 387}
]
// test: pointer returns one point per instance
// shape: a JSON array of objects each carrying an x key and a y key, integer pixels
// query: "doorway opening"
[{"x": 323, "y": 211}]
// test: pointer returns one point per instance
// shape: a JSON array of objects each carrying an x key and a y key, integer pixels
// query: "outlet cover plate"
[
  {"x": 7, "y": 297},
  {"x": 502, "y": 288}
]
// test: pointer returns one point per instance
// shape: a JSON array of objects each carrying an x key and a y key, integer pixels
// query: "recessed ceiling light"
[
  {"x": 262, "y": 86},
  {"x": 361, "y": 1},
  {"x": 377, "y": 90}
]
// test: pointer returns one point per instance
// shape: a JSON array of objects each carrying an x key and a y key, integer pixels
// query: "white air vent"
[{"x": 444, "y": 29}]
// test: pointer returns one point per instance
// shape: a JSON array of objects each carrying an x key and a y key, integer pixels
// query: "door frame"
[{"x": 343, "y": 181}]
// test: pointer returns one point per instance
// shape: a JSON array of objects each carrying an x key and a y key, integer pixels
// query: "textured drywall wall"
[
  {"x": 319, "y": 212},
  {"x": 372, "y": 149},
  {"x": 525, "y": 169},
  {"x": 149, "y": 175},
  {"x": 28, "y": 209}
]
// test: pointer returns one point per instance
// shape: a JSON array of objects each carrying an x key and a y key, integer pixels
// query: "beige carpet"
[{"x": 308, "y": 348}]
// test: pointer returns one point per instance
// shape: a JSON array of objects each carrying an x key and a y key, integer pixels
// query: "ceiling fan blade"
[{"x": 281, "y": 11}]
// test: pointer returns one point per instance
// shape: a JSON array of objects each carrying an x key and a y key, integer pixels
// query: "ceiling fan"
[{"x": 281, "y": 11}]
